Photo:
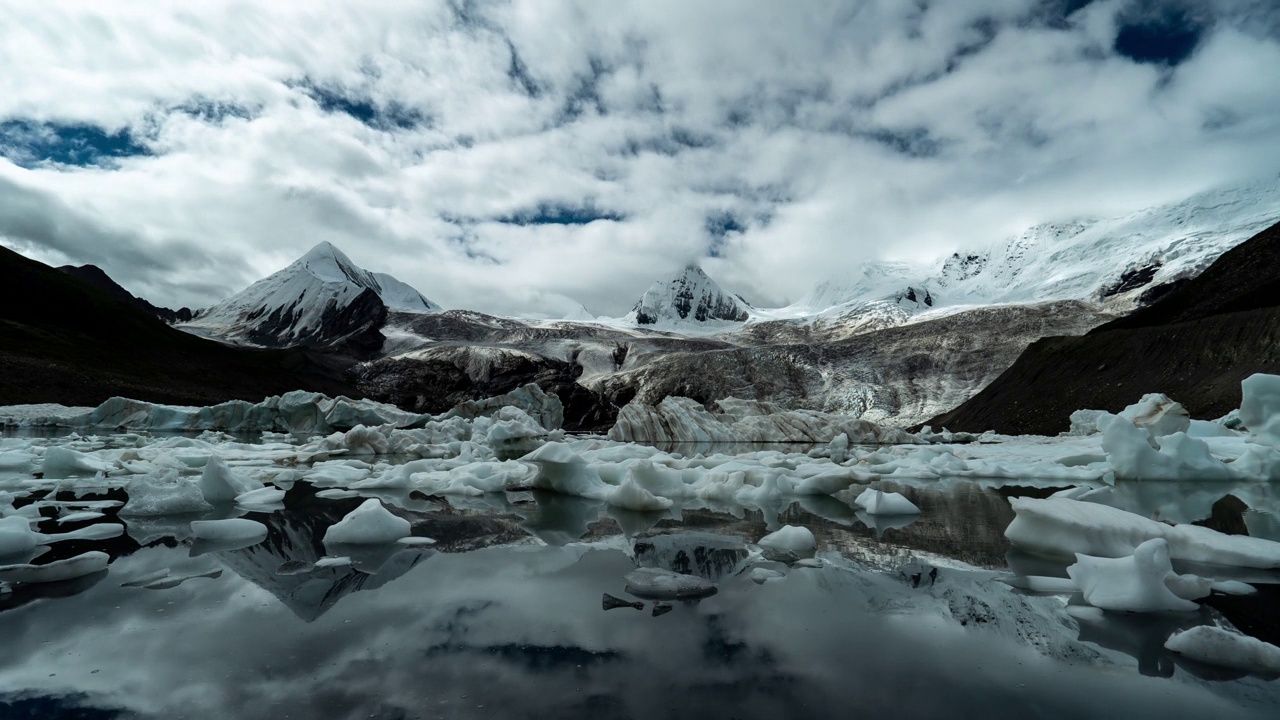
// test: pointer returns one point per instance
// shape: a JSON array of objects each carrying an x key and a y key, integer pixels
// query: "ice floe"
[
  {"x": 876, "y": 502},
  {"x": 793, "y": 539},
  {"x": 1065, "y": 527},
  {"x": 57, "y": 571},
  {"x": 369, "y": 524},
  {"x": 1141, "y": 582},
  {"x": 1216, "y": 646}
]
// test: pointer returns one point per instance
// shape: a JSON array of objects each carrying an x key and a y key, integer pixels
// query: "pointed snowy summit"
[
  {"x": 322, "y": 298},
  {"x": 688, "y": 296}
]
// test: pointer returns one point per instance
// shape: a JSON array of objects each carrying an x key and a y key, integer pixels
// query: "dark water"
[{"x": 503, "y": 618}]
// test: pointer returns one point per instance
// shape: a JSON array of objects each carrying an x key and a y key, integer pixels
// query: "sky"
[{"x": 521, "y": 156}]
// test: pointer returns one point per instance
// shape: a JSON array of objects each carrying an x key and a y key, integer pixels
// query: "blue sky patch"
[
  {"x": 391, "y": 116},
  {"x": 561, "y": 214},
  {"x": 1166, "y": 38},
  {"x": 29, "y": 143}
]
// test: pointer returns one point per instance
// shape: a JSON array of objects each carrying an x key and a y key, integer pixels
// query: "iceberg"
[
  {"x": 876, "y": 502},
  {"x": 56, "y": 571},
  {"x": 793, "y": 539},
  {"x": 164, "y": 493},
  {"x": 1215, "y": 646},
  {"x": 1260, "y": 408},
  {"x": 369, "y": 524},
  {"x": 218, "y": 483},
  {"x": 1138, "y": 583},
  {"x": 1062, "y": 527}
]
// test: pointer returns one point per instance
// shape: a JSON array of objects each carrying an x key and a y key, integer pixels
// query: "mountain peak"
[
  {"x": 320, "y": 299},
  {"x": 689, "y": 295}
]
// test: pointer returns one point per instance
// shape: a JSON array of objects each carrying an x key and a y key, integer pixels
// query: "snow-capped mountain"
[
  {"x": 689, "y": 296},
  {"x": 321, "y": 299},
  {"x": 1124, "y": 261}
]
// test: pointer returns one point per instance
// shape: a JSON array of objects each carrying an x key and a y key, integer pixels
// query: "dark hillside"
[
  {"x": 63, "y": 340},
  {"x": 1195, "y": 345}
]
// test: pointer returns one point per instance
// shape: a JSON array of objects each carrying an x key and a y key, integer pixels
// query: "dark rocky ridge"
[
  {"x": 97, "y": 277},
  {"x": 1195, "y": 345},
  {"x": 63, "y": 340}
]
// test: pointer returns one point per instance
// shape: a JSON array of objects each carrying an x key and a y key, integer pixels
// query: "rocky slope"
[
  {"x": 1195, "y": 345},
  {"x": 69, "y": 342}
]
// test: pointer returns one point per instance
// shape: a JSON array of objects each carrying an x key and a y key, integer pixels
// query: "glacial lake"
[{"x": 504, "y": 617}]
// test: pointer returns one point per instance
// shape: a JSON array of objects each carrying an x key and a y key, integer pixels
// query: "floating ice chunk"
[
  {"x": 63, "y": 462},
  {"x": 96, "y": 531},
  {"x": 261, "y": 496},
  {"x": 1233, "y": 587},
  {"x": 81, "y": 516},
  {"x": 219, "y": 483},
  {"x": 659, "y": 584},
  {"x": 1260, "y": 408},
  {"x": 629, "y": 495},
  {"x": 763, "y": 575},
  {"x": 794, "y": 539},
  {"x": 838, "y": 449},
  {"x": 16, "y": 536},
  {"x": 1215, "y": 646},
  {"x": 1134, "y": 456},
  {"x": 1133, "y": 584},
  {"x": 1210, "y": 429},
  {"x": 1085, "y": 422},
  {"x": 416, "y": 541},
  {"x": 326, "y": 562},
  {"x": 562, "y": 470},
  {"x": 229, "y": 530},
  {"x": 16, "y": 462},
  {"x": 1158, "y": 414},
  {"x": 369, "y": 524},
  {"x": 876, "y": 502},
  {"x": 510, "y": 428},
  {"x": 57, "y": 571},
  {"x": 1062, "y": 527},
  {"x": 163, "y": 494},
  {"x": 1084, "y": 493},
  {"x": 1259, "y": 462}
]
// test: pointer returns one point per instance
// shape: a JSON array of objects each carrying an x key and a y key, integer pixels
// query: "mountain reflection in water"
[{"x": 502, "y": 618}]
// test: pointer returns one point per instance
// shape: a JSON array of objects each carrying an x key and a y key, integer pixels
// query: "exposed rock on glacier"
[
  {"x": 689, "y": 296},
  {"x": 1061, "y": 527},
  {"x": 1216, "y": 646},
  {"x": 678, "y": 419},
  {"x": 1137, "y": 583},
  {"x": 369, "y": 524},
  {"x": 541, "y": 406}
]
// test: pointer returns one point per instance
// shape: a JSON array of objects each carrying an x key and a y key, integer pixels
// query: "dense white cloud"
[{"x": 466, "y": 147}]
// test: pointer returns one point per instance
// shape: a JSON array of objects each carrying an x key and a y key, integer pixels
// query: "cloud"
[{"x": 498, "y": 155}]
